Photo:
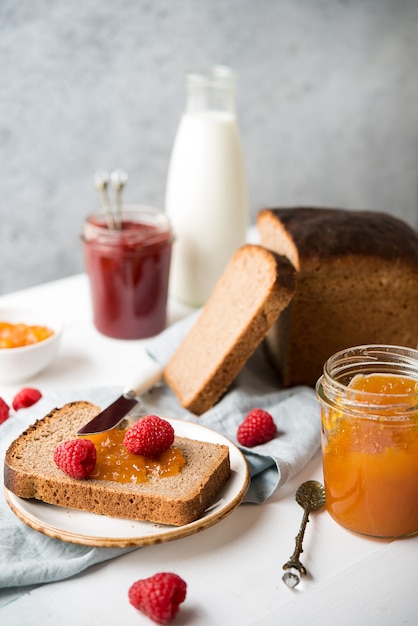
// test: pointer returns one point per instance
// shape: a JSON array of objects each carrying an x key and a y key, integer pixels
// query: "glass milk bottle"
[{"x": 207, "y": 195}]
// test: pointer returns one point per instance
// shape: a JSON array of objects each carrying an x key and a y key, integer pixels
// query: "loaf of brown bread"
[
  {"x": 30, "y": 472},
  {"x": 356, "y": 283},
  {"x": 256, "y": 285}
]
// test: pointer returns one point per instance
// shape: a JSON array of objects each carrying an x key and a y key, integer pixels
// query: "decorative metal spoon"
[
  {"x": 101, "y": 181},
  {"x": 119, "y": 178},
  {"x": 311, "y": 497}
]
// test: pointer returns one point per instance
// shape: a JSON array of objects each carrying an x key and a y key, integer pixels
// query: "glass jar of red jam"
[
  {"x": 128, "y": 270},
  {"x": 369, "y": 410}
]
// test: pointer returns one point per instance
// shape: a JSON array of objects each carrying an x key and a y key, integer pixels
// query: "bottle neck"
[{"x": 213, "y": 90}]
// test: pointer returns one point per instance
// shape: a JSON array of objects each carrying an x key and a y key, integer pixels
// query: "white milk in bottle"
[{"x": 207, "y": 194}]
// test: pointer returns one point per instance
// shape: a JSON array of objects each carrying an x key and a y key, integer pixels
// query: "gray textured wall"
[{"x": 327, "y": 104}]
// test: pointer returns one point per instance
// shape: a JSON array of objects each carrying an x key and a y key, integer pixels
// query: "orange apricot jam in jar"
[
  {"x": 369, "y": 412},
  {"x": 19, "y": 335},
  {"x": 115, "y": 463}
]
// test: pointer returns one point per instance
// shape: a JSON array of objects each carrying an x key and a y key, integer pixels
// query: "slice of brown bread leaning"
[
  {"x": 30, "y": 472},
  {"x": 255, "y": 287}
]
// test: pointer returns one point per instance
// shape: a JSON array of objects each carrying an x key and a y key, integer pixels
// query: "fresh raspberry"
[
  {"x": 149, "y": 436},
  {"x": 25, "y": 398},
  {"x": 77, "y": 457},
  {"x": 258, "y": 427},
  {"x": 159, "y": 596},
  {"x": 4, "y": 411}
]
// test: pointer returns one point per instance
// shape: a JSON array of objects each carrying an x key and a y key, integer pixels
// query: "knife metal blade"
[{"x": 149, "y": 374}]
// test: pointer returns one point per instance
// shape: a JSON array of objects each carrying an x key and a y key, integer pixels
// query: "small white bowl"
[{"x": 19, "y": 364}]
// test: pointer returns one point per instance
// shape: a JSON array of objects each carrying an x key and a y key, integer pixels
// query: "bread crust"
[
  {"x": 30, "y": 472},
  {"x": 328, "y": 233},
  {"x": 255, "y": 287}
]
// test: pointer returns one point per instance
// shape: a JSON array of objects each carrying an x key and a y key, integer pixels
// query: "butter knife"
[{"x": 149, "y": 374}]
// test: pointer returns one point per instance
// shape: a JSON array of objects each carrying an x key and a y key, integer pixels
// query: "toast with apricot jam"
[{"x": 30, "y": 472}]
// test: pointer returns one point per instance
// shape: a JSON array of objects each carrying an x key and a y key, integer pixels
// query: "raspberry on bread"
[
  {"x": 150, "y": 436},
  {"x": 76, "y": 457}
]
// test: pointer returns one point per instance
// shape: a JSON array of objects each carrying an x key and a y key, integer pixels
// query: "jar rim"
[
  {"x": 372, "y": 358},
  {"x": 96, "y": 228},
  {"x": 342, "y": 366}
]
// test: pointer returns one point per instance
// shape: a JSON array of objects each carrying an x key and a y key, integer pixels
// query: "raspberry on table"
[
  {"x": 25, "y": 398},
  {"x": 4, "y": 411},
  {"x": 258, "y": 427},
  {"x": 159, "y": 596},
  {"x": 76, "y": 457},
  {"x": 149, "y": 436}
]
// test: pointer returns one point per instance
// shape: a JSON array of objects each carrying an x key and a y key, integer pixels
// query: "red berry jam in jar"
[{"x": 128, "y": 270}]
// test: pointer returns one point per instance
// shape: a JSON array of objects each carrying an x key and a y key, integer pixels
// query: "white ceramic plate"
[{"x": 97, "y": 530}]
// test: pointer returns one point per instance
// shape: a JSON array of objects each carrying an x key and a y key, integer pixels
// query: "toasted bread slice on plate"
[{"x": 30, "y": 473}]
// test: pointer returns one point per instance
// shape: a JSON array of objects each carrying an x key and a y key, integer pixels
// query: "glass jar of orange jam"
[{"x": 369, "y": 411}]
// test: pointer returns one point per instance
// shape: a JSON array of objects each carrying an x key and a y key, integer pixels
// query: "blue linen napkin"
[{"x": 28, "y": 558}]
